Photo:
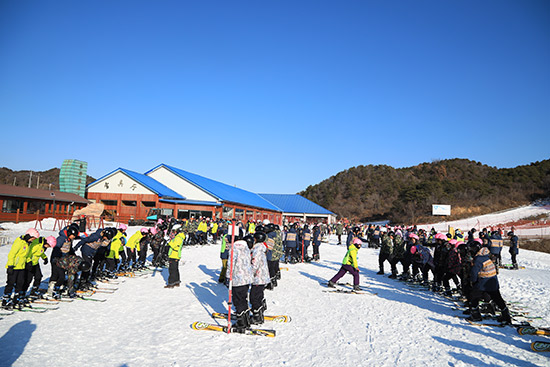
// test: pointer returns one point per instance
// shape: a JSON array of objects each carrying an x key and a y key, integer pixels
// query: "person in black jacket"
[{"x": 514, "y": 248}]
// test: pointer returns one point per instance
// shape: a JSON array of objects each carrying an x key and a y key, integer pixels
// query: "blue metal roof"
[
  {"x": 150, "y": 183},
  {"x": 291, "y": 203},
  {"x": 222, "y": 191},
  {"x": 191, "y": 202}
]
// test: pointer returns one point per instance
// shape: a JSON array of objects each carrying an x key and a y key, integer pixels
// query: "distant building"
[
  {"x": 72, "y": 176},
  {"x": 22, "y": 203}
]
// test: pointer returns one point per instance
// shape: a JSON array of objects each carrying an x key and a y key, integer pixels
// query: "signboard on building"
[{"x": 438, "y": 209}]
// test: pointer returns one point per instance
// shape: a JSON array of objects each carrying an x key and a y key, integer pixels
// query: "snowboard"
[
  {"x": 531, "y": 330},
  {"x": 540, "y": 346},
  {"x": 249, "y": 331},
  {"x": 275, "y": 318}
]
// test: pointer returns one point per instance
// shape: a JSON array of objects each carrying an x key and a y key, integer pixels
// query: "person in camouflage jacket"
[
  {"x": 398, "y": 254},
  {"x": 386, "y": 250}
]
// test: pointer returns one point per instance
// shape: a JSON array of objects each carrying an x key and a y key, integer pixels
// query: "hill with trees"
[
  {"x": 406, "y": 195},
  {"x": 47, "y": 180}
]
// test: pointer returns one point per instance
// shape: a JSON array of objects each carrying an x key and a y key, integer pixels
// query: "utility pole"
[
  {"x": 30, "y": 179},
  {"x": 38, "y": 181},
  {"x": 14, "y": 179}
]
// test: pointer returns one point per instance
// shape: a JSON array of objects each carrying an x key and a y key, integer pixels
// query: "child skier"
[
  {"x": 174, "y": 256},
  {"x": 260, "y": 271},
  {"x": 241, "y": 278},
  {"x": 17, "y": 260},
  {"x": 349, "y": 265}
]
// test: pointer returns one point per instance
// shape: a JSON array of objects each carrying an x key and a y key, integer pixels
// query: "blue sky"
[{"x": 273, "y": 96}]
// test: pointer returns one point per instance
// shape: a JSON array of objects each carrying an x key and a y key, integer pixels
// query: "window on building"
[
  {"x": 129, "y": 203},
  {"x": 11, "y": 206},
  {"x": 227, "y": 212},
  {"x": 109, "y": 202},
  {"x": 239, "y": 214},
  {"x": 148, "y": 204},
  {"x": 33, "y": 206}
]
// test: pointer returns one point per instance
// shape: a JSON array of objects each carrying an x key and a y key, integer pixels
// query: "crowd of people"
[{"x": 251, "y": 252}]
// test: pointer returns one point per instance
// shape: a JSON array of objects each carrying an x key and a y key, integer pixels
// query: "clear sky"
[{"x": 273, "y": 96}]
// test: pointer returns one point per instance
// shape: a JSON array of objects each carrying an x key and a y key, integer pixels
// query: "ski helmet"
[
  {"x": 144, "y": 230},
  {"x": 122, "y": 227},
  {"x": 32, "y": 233},
  {"x": 51, "y": 241},
  {"x": 413, "y": 235},
  {"x": 249, "y": 240},
  {"x": 72, "y": 231},
  {"x": 260, "y": 237},
  {"x": 357, "y": 241},
  {"x": 440, "y": 236}
]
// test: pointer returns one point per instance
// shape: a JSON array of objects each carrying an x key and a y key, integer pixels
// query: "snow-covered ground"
[{"x": 143, "y": 324}]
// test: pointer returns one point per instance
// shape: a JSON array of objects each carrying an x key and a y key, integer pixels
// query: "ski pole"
[
  {"x": 302, "y": 250},
  {"x": 230, "y": 302}
]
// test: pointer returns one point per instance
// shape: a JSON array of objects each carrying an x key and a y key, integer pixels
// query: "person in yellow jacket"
[
  {"x": 203, "y": 230},
  {"x": 214, "y": 231},
  {"x": 33, "y": 271},
  {"x": 349, "y": 265},
  {"x": 115, "y": 248},
  {"x": 17, "y": 261},
  {"x": 132, "y": 246},
  {"x": 174, "y": 255}
]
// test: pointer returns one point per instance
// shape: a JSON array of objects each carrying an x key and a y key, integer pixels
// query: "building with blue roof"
[
  {"x": 129, "y": 195},
  {"x": 297, "y": 208}
]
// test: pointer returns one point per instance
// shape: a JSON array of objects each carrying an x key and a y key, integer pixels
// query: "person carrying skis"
[
  {"x": 260, "y": 272},
  {"x": 349, "y": 265},
  {"x": 19, "y": 253},
  {"x": 484, "y": 279},
  {"x": 174, "y": 256}
]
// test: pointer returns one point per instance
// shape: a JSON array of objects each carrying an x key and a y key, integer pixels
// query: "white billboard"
[{"x": 438, "y": 209}]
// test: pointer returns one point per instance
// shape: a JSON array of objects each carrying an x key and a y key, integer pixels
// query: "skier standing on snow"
[
  {"x": 316, "y": 242},
  {"x": 38, "y": 247},
  {"x": 514, "y": 248},
  {"x": 174, "y": 256},
  {"x": 349, "y": 265},
  {"x": 17, "y": 260},
  {"x": 398, "y": 254},
  {"x": 89, "y": 247},
  {"x": 242, "y": 277},
  {"x": 386, "y": 251},
  {"x": 260, "y": 272},
  {"x": 63, "y": 247},
  {"x": 484, "y": 279},
  {"x": 290, "y": 244}
]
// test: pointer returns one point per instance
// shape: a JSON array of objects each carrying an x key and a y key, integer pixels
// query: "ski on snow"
[
  {"x": 248, "y": 331},
  {"x": 531, "y": 330},
  {"x": 540, "y": 346},
  {"x": 275, "y": 318}
]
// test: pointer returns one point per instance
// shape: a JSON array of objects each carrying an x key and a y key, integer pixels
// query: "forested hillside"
[
  {"x": 39, "y": 179},
  {"x": 406, "y": 194}
]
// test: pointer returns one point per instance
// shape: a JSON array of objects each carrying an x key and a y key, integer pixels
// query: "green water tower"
[{"x": 72, "y": 177}]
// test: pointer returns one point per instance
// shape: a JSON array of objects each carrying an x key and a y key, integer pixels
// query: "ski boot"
[
  {"x": 35, "y": 293},
  {"x": 447, "y": 293},
  {"x": 505, "y": 318},
  {"x": 381, "y": 272},
  {"x": 475, "y": 315},
  {"x": 356, "y": 288},
  {"x": 393, "y": 276},
  {"x": 56, "y": 294},
  {"x": 49, "y": 292},
  {"x": 7, "y": 302},
  {"x": 243, "y": 321},
  {"x": 490, "y": 308},
  {"x": 23, "y": 301},
  {"x": 257, "y": 316},
  {"x": 331, "y": 284}
]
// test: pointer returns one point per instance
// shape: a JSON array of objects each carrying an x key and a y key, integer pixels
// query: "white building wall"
[
  {"x": 179, "y": 185},
  {"x": 119, "y": 183}
]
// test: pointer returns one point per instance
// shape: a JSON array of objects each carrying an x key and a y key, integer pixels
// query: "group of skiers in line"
[{"x": 471, "y": 263}]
